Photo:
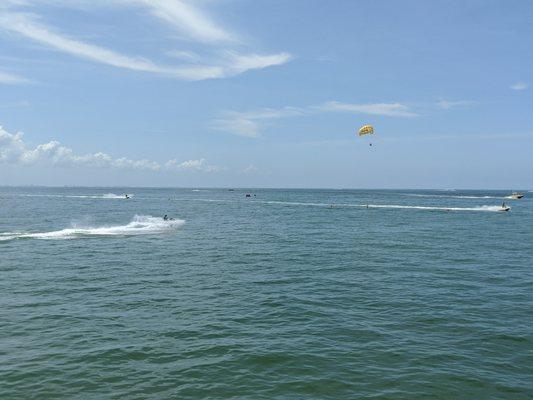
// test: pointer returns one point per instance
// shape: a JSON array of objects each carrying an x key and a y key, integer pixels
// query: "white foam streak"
[
  {"x": 398, "y": 206},
  {"x": 140, "y": 225},
  {"x": 345, "y": 205},
  {"x": 454, "y": 197},
  {"x": 108, "y": 196}
]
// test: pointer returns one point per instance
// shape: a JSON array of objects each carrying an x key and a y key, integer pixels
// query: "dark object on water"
[
  {"x": 231, "y": 190},
  {"x": 126, "y": 196},
  {"x": 516, "y": 196},
  {"x": 248, "y": 195}
]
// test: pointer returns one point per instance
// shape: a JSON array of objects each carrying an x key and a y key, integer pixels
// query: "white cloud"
[
  {"x": 28, "y": 27},
  {"x": 239, "y": 63},
  {"x": 189, "y": 20},
  {"x": 519, "y": 86},
  {"x": 183, "y": 55},
  {"x": 446, "y": 105},
  {"x": 250, "y": 169},
  {"x": 12, "y": 79},
  {"x": 239, "y": 126},
  {"x": 180, "y": 14},
  {"x": 13, "y": 150},
  {"x": 383, "y": 109},
  {"x": 192, "y": 165},
  {"x": 248, "y": 124}
]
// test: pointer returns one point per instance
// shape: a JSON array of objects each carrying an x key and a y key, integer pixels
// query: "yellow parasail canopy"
[{"x": 366, "y": 129}]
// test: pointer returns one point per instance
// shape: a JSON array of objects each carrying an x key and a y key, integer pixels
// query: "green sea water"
[{"x": 286, "y": 294}]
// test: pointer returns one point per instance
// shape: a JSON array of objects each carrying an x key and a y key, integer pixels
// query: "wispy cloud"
[
  {"x": 250, "y": 169},
  {"x": 239, "y": 63},
  {"x": 383, "y": 109},
  {"x": 239, "y": 126},
  {"x": 446, "y": 105},
  {"x": 30, "y": 28},
  {"x": 249, "y": 124},
  {"x": 183, "y": 55},
  {"x": 192, "y": 165},
  {"x": 189, "y": 20},
  {"x": 519, "y": 86},
  {"x": 182, "y": 15},
  {"x": 12, "y": 79},
  {"x": 14, "y": 150}
]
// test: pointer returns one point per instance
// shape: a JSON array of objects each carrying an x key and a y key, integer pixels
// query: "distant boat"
[
  {"x": 231, "y": 190},
  {"x": 516, "y": 196},
  {"x": 248, "y": 195}
]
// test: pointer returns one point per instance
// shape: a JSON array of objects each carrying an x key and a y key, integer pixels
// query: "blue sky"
[{"x": 266, "y": 93}]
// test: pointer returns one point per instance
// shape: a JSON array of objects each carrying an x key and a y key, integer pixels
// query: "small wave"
[{"x": 140, "y": 225}]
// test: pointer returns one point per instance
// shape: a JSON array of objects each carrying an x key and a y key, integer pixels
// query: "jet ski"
[
  {"x": 506, "y": 208},
  {"x": 516, "y": 196},
  {"x": 127, "y": 196}
]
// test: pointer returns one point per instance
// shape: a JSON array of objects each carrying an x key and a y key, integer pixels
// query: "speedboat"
[{"x": 516, "y": 196}]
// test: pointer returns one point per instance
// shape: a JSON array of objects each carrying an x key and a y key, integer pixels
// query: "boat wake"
[
  {"x": 140, "y": 225},
  {"x": 389, "y": 206},
  {"x": 348, "y": 205},
  {"x": 449, "y": 196},
  {"x": 431, "y": 208},
  {"x": 115, "y": 196},
  {"x": 103, "y": 196}
]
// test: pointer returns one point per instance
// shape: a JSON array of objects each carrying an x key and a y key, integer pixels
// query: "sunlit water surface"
[{"x": 286, "y": 294}]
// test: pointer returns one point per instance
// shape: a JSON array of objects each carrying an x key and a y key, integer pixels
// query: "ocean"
[{"x": 286, "y": 294}]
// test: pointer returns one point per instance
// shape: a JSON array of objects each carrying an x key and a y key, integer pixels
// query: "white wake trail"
[
  {"x": 140, "y": 225},
  {"x": 80, "y": 196},
  {"x": 398, "y": 206},
  {"x": 447, "y": 196}
]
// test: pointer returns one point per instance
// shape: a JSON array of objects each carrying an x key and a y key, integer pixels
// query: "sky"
[{"x": 267, "y": 93}]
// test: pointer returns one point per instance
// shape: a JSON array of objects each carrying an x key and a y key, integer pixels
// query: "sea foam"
[
  {"x": 140, "y": 225},
  {"x": 80, "y": 196}
]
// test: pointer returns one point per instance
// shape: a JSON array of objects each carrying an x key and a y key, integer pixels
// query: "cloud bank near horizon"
[{"x": 15, "y": 151}]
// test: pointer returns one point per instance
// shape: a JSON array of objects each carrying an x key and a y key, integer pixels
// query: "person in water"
[{"x": 504, "y": 205}]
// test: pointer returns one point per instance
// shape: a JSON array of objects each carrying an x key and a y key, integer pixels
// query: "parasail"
[{"x": 366, "y": 130}]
